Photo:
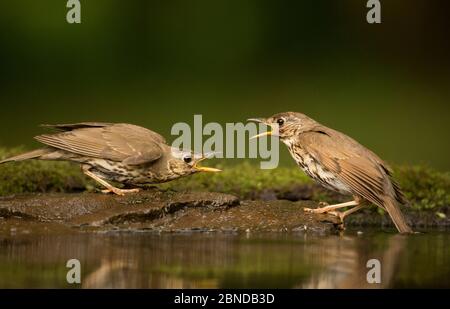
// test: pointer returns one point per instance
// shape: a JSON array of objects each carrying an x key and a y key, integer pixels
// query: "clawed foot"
[
  {"x": 333, "y": 210},
  {"x": 315, "y": 210},
  {"x": 323, "y": 210},
  {"x": 121, "y": 192},
  {"x": 338, "y": 214},
  {"x": 320, "y": 210}
]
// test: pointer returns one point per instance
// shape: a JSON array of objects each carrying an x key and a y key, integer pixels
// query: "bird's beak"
[
  {"x": 268, "y": 133},
  {"x": 207, "y": 169},
  {"x": 204, "y": 168},
  {"x": 260, "y": 120}
]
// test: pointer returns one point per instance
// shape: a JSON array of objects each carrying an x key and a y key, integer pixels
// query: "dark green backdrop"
[{"x": 158, "y": 62}]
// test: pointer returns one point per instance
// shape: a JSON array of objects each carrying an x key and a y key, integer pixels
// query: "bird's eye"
[
  {"x": 187, "y": 159},
  {"x": 280, "y": 121}
]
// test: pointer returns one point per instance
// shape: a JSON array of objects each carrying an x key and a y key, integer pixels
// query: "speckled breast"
[
  {"x": 119, "y": 172},
  {"x": 317, "y": 171}
]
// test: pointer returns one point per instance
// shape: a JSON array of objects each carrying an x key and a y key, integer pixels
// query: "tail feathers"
[
  {"x": 399, "y": 196},
  {"x": 393, "y": 208},
  {"x": 29, "y": 155}
]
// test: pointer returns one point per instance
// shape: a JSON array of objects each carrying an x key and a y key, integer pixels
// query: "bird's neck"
[{"x": 288, "y": 141}]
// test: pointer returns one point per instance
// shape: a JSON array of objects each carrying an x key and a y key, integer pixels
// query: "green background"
[{"x": 155, "y": 63}]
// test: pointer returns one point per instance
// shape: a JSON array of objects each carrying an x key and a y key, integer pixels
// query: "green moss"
[
  {"x": 243, "y": 179},
  {"x": 38, "y": 176},
  {"x": 426, "y": 188}
]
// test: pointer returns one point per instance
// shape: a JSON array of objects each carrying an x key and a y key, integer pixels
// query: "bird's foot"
[
  {"x": 121, "y": 192},
  {"x": 322, "y": 210},
  {"x": 319, "y": 210},
  {"x": 338, "y": 214},
  {"x": 326, "y": 208},
  {"x": 312, "y": 210}
]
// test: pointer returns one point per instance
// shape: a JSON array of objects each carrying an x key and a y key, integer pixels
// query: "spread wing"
[
  {"x": 357, "y": 167},
  {"x": 130, "y": 144}
]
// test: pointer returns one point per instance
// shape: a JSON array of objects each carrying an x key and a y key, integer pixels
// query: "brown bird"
[
  {"x": 339, "y": 163},
  {"x": 122, "y": 153}
]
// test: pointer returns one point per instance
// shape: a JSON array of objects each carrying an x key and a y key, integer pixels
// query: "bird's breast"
[
  {"x": 316, "y": 170},
  {"x": 122, "y": 173}
]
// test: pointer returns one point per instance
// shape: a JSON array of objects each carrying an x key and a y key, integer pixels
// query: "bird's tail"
[
  {"x": 393, "y": 208},
  {"x": 28, "y": 155}
]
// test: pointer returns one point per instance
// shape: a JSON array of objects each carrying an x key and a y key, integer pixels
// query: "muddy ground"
[
  {"x": 155, "y": 210},
  {"x": 158, "y": 211}
]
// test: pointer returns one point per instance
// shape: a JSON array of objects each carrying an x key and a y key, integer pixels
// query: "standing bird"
[
  {"x": 122, "y": 153},
  {"x": 339, "y": 163}
]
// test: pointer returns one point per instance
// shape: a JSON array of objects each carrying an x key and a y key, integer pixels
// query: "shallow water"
[{"x": 146, "y": 260}]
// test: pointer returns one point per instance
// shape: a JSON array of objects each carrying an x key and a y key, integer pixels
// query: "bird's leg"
[
  {"x": 121, "y": 191},
  {"x": 344, "y": 214},
  {"x": 341, "y": 215},
  {"x": 328, "y": 208},
  {"x": 109, "y": 187}
]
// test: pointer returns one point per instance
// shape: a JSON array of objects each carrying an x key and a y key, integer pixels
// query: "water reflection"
[
  {"x": 344, "y": 263},
  {"x": 143, "y": 260}
]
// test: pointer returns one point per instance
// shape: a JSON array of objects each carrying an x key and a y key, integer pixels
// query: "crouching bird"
[
  {"x": 121, "y": 152},
  {"x": 339, "y": 163}
]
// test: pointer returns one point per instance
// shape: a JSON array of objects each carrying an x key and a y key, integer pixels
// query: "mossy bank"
[{"x": 427, "y": 189}]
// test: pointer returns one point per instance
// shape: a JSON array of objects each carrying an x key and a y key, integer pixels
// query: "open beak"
[
  {"x": 204, "y": 168},
  {"x": 268, "y": 133},
  {"x": 260, "y": 120}
]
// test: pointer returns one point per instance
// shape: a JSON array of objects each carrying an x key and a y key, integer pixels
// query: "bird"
[
  {"x": 117, "y": 152},
  {"x": 339, "y": 163}
]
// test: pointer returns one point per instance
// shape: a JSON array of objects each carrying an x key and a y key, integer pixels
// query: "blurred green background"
[{"x": 155, "y": 63}]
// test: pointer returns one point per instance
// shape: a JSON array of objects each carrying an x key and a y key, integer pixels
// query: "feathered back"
[{"x": 122, "y": 142}]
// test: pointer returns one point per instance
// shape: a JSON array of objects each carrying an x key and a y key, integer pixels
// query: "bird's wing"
[
  {"x": 74, "y": 126},
  {"x": 353, "y": 164},
  {"x": 130, "y": 144}
]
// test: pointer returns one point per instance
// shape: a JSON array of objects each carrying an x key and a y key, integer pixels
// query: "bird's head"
[
  {"x": 187, "y": 162},
  {"x": 285, "y": 125}
]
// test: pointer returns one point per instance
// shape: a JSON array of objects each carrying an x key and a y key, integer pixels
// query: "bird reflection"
[
  {"x": 334, "y": 262},
  {"x": 345, "y": 263},
  {"x": 145, "y": 260}
]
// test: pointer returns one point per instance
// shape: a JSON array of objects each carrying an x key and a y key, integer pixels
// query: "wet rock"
[
  {"x": 249, "y": 216},
  {"x": 165, "y": 211}
]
